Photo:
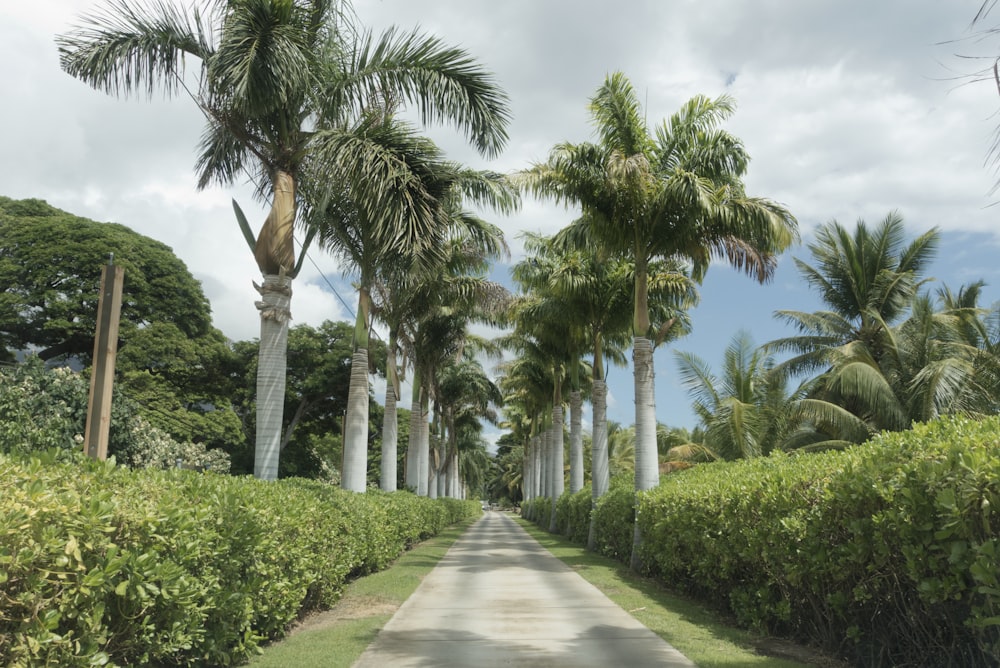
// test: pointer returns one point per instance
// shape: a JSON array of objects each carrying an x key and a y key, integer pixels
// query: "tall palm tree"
[
  {"x": 675, "y": 192},
  {"x": 432, "y": 196},
  {"x": 445, "y": 301},
  {"x": 465, "y": 396},
  {"x": 276, "y": 80}
]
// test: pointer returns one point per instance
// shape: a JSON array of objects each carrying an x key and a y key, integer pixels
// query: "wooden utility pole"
[{"x": 109, "y": 308}]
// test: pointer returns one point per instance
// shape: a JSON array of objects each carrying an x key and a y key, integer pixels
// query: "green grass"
[
  {"x": 338, "y": 637},
  {"x": 695, "y": 631}
]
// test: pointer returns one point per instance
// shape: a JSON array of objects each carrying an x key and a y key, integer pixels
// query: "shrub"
[
  {"x": 614, "y": 519},
  {"x": 573, "y": 515},
  {"x": 100, "y": 564},
  {"x": 42, "y": 409},
  {"x": 886, "y": 552}
]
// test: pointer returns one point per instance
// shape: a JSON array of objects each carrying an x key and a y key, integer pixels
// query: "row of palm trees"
[
  {"x": 656, "y": 205},
  {"x": 303, "y": 103}
]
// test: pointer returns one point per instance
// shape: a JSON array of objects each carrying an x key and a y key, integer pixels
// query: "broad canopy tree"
[{"x": 50, "y": 273}]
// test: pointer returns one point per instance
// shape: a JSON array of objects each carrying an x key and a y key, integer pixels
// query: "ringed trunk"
[
  {"x": 558, "y": 463},
  {"x": 274, "y": 307},
  {"x": 575, "y": 442},
  {"x": 599, "y": 452},
  {"x": 647, "y": 473},
  {"x": 355, "y": 473}
]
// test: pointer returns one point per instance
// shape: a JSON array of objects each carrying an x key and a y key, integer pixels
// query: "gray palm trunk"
[
  {"x": 355, "y": 474},
  {"x": 423, "y": 446},
  {"x": 575, "y": 442},
  {"x": 599, "y": 477},
  {"x": 539, "y": 451},
  {"x": 545, "y": 461},
  {"x": 647, "y": 470},
  {"x": 412, "y": 446},
  {"x": 275, "y": 312},
  {"x": 558, "y": 482},
  {"x": 390, "y": 430}
]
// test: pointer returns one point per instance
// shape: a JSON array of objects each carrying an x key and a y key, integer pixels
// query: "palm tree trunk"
[
  {"x": 412, "y": 445},
  {"x": 647, "y": 471},
  {"x": 389, "y": 436},
  {"x": 575, "y": 442},
  {"x": 355, "y": 473},
  {"x": 274, "y": 307},
  {"x": 599, "y": 452},
  {"x": 423, "y": 444},
  {"x": 539, "y": 454},
  {"x": 558, "y": 462}
]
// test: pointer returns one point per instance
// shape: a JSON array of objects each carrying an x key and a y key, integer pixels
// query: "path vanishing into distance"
[{"x": 498, "y": 598}]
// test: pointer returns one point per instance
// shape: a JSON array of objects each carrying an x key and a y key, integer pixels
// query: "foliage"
[
  {"x": 43, "y": 409},
  {"x": 176, "y": 567},
  {"x": 885, "y": 552},
  {"x": 746, "y": 412},
  {"x": 50, "y": 270},
  {"x": 573, "y": 515},
  {"x": 614, "y": 519},
  {"x": 318, "y": 374}
]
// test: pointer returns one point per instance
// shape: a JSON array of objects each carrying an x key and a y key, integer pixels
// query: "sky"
[{"x": 849, "y": 109}]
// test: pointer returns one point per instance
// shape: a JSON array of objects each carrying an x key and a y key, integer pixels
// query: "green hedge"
[
  {"x": 103, "y": 565},
  {"x": 888, "y": 553}
]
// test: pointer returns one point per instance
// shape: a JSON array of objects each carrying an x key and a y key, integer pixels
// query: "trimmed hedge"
[
  {"x": 886, "y": 553},
  {"x": 101, "y": 565}
]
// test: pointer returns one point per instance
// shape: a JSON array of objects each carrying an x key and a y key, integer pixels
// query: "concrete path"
[{"x": 498, "y": 598}]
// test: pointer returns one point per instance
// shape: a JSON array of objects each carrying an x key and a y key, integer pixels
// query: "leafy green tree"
[
  {"x": 50, "y": 274},
  {"x": 45, "y": 408},
  {"x": 281, "y": 84},
  {"x": 183, "y": 386},
  {"x": 319, "y": 371}
]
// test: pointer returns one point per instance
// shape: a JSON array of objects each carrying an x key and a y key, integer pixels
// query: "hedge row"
[
  {"x": 101, "y": 565},
  {"x": 887, "y": 553}
]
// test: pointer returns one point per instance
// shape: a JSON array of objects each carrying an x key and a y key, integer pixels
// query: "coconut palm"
[
  {"x": 276, "y": 80},
  {"x": 745, "y": 412},
  {"x": 674, "y": 193},
  {"x": 868, "y": 280}
]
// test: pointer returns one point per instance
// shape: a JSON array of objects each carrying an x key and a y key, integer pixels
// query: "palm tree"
[
  {"x": 621, "y": 449},
  {"x": 465, "y": 395},
  {"x": 869, "y": 280},
  {"x": 746, "y": 412},
  {"x": 527, "y": 390},
  {"x": 444, "y": 300},
  {"x": 276, "y": 80},
  {"x": 432, "y": 197},
  {"x": 676, "y": 193}
]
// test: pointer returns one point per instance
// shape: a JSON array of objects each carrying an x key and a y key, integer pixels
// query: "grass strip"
[
  {"x": 337, "y": 637},
  {"x": 694, "y": 630}
]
